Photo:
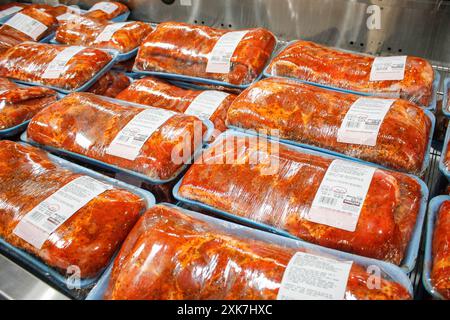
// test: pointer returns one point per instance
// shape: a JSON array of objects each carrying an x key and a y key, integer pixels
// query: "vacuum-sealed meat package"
[
  {"x": 19, "y": 104},
  {"x": 406, "y": 77},
  {"x": 209, "y": 104},
  {"x": 171, "y": 254},
  {"x": 121, "y": 36},
  {"x": 154, "y": 142},
  {"x": 440, "y": 271},
  {"x": 391, "y": 132},
  {"x": 30, "y": 24},
  {"x": 62, "y": 217},
  {"x": 62, "y": 67},
  {"x": 106, "y": 10},
  {"x": 335, "y": 203},
  {"x": 233, "y": 57}
]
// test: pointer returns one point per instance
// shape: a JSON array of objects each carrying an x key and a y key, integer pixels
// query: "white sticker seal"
[
  {"x": 219, "y": 60},
  {"x": 206, "y": 103},
  {"x": 311, "y": 277},
  {"x": 186, "y": 3},
  {"x": 109, "y": 31},
  {"x": 106, "y": 7},
  {"x": 341, "y": 195},
  {"x": 58, "y": 64},
  {"x": 31, "y": 27},
  {"x": 37, "y": 225},
  {"x": 388, "y": 68},
  {"x": 10, "y": 11},
  {"x": 363, "y": 120},
  {"x": 129, "y": 141}
]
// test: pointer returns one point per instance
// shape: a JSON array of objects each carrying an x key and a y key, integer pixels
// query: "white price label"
[
  {"x": 10, "y": 11},
  {"x": 311, "y": 277},
  {"x": 206, "y": 103},
  {"x": 25, "y": 24},
  {"x": 219, "y": 60},
  {"x": 57, "y": 66},
  {"x": 129, "y": 141},
  {"x": 106, "y": 7},
  {"x": 109, "y": 31},
  {"x": 341, "y": 195},
  {"x": 363, "y": 120},
  {"x": 388, "y": 68},
  {"x": 37, "y": 225},
  {"x": 186, "y": 3}
]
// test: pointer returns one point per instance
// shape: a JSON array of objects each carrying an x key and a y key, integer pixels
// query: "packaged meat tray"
[
  {"x": 108, "y": 10},
  {"x": 30, "y": 24},
  {"x": 209, "y": 104},
  {"x": 124, "y": 37},
  {"x": 444, "y": 160},
  {"x": 203, "y": 54},
  {"x": 9, "y": 9},
  {"x": 53, "y": 214},
  {"x": 198, "y": 257},
  {"x": 63, "y": 68},
  {"x": 110, "y": 84},
  {"x": 151, "y": 144},
  {"x": 436, "y": 267},
  {"x": 446, "y": 100},
  {"x": 315, "y": 197},
  {"x": 18, "y": 104},
  {"x": 411, "y": 78},
  {"x": 394, "y": 133}
]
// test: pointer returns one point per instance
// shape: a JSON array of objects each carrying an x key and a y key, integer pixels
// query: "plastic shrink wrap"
[
  {"x": 106, "y": 10},
  {"x": 170, "y": 254},
  {"x": 8, "y": 9},
  {"x": 110, "y": 84},
  {"x": 87, "y": 239},
  {"x": 19, "y": 104},
  {"x": 333, "y": 67},
  {"x": 30, "y": 24},
  {"x": 440, "y": 271},
  {"x": 161, "y": 94},
  {"x": 190, "y": 50},
  {"x": 277, "y": 185},
  {"x": 314, "y": 116},
  {"x": 65, "y": 67},
  {"x": 155, "y": 142},
  {"x": 120, "y": 36}
]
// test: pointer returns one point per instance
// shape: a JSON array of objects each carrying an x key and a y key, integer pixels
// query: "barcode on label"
[
  {"x": 328, "y": 200},
  {"x": 37, "y": 216},
  {"x": 354, "y": 124}
]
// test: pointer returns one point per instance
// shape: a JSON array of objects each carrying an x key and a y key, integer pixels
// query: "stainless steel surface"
[{"x": 18, "y": 283}]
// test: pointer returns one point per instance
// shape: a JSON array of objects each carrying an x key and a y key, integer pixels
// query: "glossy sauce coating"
[
  {"x": 9, "y": 36},
  {"x": 89, "y": 238},
  {"x": 87, "y": 124},
  {"x": 80, "y": 30},
  {"x": 158, "y": 93},
  {"x": 310, "y": 61},
  {"x": 307, "y": 114},
  {"x": 183, "y": 48},
  {"x": 110, "y": 84},
  {"x": 440, "y": 272},
  {"x": 28, "y": 62},
  {"x": 280, "y": 193},
  {"x": 172, "y": 255},
  {"x": 18, "y": 104}
]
